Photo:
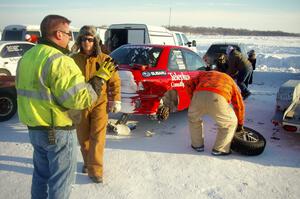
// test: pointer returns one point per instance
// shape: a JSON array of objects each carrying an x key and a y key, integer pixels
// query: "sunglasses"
[
  {"x": 67, "y": 33},
  {"x": 84, "y": 39}
]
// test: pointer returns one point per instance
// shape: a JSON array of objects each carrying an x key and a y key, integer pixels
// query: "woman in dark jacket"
[{"x": 240, "y": 68}]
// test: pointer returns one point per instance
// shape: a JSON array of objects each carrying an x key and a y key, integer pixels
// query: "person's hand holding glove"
[
  {"x": 240, "y": 128},
  {"x": 103, "y": 74},
  {"x": 105, "y": 69},
  {"x": 115, "y": 107}
]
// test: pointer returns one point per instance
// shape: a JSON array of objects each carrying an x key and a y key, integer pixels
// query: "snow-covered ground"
[
  {"x": 156, "y": 161},
  {"x": 277, "y": 54}
]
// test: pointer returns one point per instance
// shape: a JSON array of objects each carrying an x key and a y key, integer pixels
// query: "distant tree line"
[{"x": 228, "y": 31}]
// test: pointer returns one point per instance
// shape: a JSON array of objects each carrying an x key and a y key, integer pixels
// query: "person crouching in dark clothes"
[
  {"x": 240, "y": 68},
  {"x": 252, "y": 59}
]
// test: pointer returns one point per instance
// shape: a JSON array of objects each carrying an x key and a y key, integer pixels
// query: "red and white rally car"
[{"x": 153, "y": 78}]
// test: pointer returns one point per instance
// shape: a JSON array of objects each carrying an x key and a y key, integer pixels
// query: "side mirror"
[
  {"x": 194, "y": 43},
  {"x": 189, "y": 44}
]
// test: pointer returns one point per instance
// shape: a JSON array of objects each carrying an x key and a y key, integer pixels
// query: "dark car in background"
[{"x": 215, "y": 50}]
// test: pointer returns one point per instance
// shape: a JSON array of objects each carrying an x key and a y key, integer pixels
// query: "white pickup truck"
[
  {"x": 287, "y": 111},
  {"x": 181, "y": 40}
]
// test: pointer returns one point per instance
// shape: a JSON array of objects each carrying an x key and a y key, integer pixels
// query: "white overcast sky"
[{"x": 254, "y": 15}]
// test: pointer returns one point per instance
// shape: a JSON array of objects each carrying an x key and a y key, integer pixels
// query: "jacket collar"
[{"x": 54, "y": 45}]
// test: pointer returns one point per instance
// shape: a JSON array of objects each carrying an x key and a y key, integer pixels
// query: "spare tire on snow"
[{"x": 248, "y": 142}]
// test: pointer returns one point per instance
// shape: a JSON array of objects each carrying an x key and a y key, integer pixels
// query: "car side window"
[
  {"x": 75, "y": 35},
  {"x": 180, "y": 42},
  {"x": 193, "y": 61},
  {"x": 185, "y": 40},
  {"x": 15, "y": 50},
  {"x": 153, "y": 56},
  {"x": 176, "y": 61}
]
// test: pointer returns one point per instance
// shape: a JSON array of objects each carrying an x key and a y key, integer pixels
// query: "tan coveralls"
[{"x": 91, "y": 131}]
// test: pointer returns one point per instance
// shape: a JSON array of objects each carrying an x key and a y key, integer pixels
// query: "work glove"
[
  {"x": 105, "y": 69},
  {"x": 75, "y": 116},
  {"x": 102, "y": 74},
  {"x": 97, "y": 83},
  {"x": 115, "y": 107},
  {"x": 240, "y": 128}
]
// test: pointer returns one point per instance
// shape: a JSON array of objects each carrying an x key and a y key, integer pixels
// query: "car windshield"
[
  {"x": 143, "y": 55},
  {"x": 15, "y": 50}
]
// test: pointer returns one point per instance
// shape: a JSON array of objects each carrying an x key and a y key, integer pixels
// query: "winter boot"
[
  {"x": 198, "y": 149},
  {"x": 84, "y": 169},
  {"x": 219, "y": 153},
  {"x": 96, "y": 179}
]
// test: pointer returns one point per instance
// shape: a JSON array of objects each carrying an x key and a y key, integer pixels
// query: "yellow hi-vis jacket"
[{"x": 48, "y": 84}]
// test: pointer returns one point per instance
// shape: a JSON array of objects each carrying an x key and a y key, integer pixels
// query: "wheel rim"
[
  {"x": 6, "y": 106},
  {"x": 3, "y": 74},
  {"x": 247, "y": 136}
]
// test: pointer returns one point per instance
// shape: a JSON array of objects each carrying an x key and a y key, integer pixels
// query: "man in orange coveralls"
[
  {"x": 213, "y": 93},
  {"x": 91, "y": 130}
]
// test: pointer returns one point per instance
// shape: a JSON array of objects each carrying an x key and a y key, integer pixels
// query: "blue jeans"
[
  {"x": 54, "y": 165},
  {"x": 243, "y": 79}
]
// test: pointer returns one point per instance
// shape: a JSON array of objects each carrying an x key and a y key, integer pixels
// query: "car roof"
[
  {"x": 158, "y": 45},
  {"x": 227, "y": 43},
  {"x": 234, "y": 44},
  {"x": 15, "y": 42},
  {"x": 22, "y": 26}
]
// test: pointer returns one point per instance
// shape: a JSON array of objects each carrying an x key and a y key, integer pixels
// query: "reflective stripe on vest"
[
  {"x": 71, "y": 91},
  {"x": 35, "y": 95},
  {"x": 46, "y": 68},
  {"x": 43, "y": 93}
]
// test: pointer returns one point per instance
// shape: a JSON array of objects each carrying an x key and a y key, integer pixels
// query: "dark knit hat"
[
  {"x": 251, "y": 53},
  {"x": 88, "y": 31}
]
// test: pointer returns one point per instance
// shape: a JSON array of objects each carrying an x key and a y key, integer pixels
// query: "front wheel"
[{"x": 248, "y": 142}]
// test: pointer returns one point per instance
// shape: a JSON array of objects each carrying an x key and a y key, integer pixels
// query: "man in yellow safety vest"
[{"x": 49, "y": 84}]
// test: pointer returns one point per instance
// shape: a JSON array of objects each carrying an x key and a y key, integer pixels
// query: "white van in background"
[
  {"x": 119, "y": 34},
  {"x": 100, "y": 30},
  {"x": 19, "y": 33},
  {"x": 181, "y": 40}
]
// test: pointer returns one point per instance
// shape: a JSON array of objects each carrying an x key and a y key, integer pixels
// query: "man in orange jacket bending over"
[{"x": 215, "y": 94}]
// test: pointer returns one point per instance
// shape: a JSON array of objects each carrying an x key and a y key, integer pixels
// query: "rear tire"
[
  {"x": 163, "y": 113},
  {"x": 248, "y": 142},
  {"x": 4, "y": 72},
  {"x": 8, "y": 106}
]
